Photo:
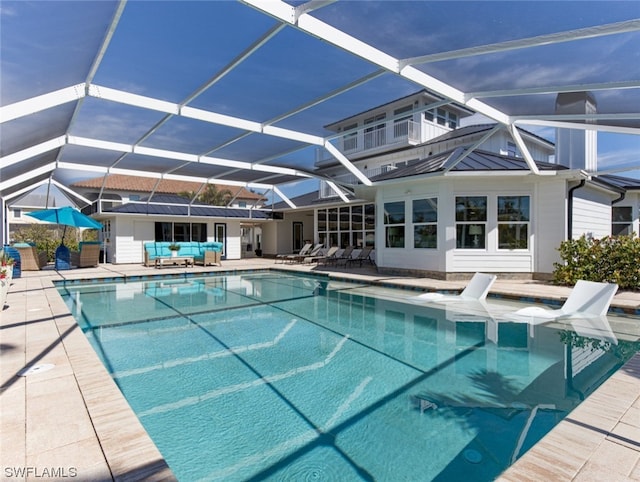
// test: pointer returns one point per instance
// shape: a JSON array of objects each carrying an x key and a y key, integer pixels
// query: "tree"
[{"x": 211, "y": 195}]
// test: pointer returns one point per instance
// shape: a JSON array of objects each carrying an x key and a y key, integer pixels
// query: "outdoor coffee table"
[{"x": 170, "y": 260}]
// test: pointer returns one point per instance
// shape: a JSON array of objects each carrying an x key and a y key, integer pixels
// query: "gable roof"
[
  {"x": 478, "y": 129},
  {"x": 121, "y": 182}
]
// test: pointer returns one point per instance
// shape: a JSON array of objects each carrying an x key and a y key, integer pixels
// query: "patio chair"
[
  {"x": 363, "y": 255},
  {"x": 298, "y": 258},
  {"x": 316, "y": 259},
  {"x": 477, "y": 289},
  {"x": 30, "y": 258},
  {"x": 304, "y": 251},
  {"x": 587, "y": 299},
  {"x": 88, "y": 255},
  {"x": 346, "y": 254}
]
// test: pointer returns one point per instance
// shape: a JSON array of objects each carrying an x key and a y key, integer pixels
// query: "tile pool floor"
[{"x": 71, "y": 420}]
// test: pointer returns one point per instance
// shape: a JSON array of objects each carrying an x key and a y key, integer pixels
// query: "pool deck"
[{"x": 72, "y": 422}]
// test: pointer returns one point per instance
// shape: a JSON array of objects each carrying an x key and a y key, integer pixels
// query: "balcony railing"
[{"x": 405, "y": 132}]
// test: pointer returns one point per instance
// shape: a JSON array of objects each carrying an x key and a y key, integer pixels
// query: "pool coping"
[{"x": 105, "y": 432}]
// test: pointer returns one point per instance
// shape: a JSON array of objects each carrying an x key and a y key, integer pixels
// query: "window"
[
  {"x": 394, "y": 224},
  {"x": 242, "y": 204},
  {"x": 513, "y": 222},
  {"x": 511, "y": 149},
  {"x": 442, "y": 117},
  {"x": 134, "y": 197},
  {"x": 181, "y": 232},
  {"x": 621, "y": 221},
  {"x": 350, "y": 139},
  {"x": 471, "y": 222},
  {"x": 425, "y": 223},
  {"x": 346, "y": 226},
  {"x": 17, "y": 213}
]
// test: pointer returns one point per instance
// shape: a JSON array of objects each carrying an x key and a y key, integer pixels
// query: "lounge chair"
[
  {"x": 364, "y": 255},
  {"x": 319, "y": 257},
  {"x": 344, "y": 256},
  {"x": 476, "y": 290},
  {"x": 304, "y": 251},
  {"x": 88, "y": 255},
  {"x": 298, "y": 258},
  {"x": 30, "y": 258},
  {"x": 588, "y": 298}
]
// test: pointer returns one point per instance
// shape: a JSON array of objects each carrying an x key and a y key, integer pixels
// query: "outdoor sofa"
[
  {"x": 205, "y": 253},
  {"x": 30, "y": 258}
]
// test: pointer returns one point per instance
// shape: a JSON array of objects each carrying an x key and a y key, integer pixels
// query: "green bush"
[
  {"x": 609, "y": 259},
  {"x": 46, "y": 238}
]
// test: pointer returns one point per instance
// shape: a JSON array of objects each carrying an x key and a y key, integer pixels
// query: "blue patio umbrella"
[{"x": 66, "y": 216}]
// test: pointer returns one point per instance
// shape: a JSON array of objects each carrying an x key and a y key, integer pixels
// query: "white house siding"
[
  {"x": 447, "y": 258},
  {"x": 549, "y": 223},
  {"x": 129, "y": 233},
  {"x": 591, "y": 212}
]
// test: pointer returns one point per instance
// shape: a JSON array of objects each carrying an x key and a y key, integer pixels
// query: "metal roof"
[{"x": 239, "y": 92}]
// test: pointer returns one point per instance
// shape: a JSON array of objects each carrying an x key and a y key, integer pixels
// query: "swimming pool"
[{"x": 267, "y": 375}]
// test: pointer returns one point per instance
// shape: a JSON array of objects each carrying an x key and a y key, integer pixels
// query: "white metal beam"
[
  {"x": 41, "y": 102},
  {"x": 46, "y": 169},
  {"x": 346, "y": 163},
  {"x": 577, "y": 125},
  {"x": 513, "y": 130},
  {"x": 462, "y": 155},
  {"x": 338, "y": 191},
  {"x": 548, "y": 39},
  {"x": 332, "y": 35},
  {"x": 32, "y": 151},
  {"x": 556, "y": 89},
  {"x": 281, "y": 195}
]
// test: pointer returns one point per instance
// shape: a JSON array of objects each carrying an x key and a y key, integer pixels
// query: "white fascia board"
[
  {"x": 338, "y": 191},
  {"x": 32, "y": 151},
  {"x": 133, "y": 99},
  {"x": 515, "y": 133},
  {"x": 98, "y": 144},
  {"x": 46, "y": 169},
  {"x": 279, "y": 193},
  {"x": 346, "y": 163},
  {"x": 293, "y": 135},
  {"x": 215, "y": 118},
  {"x": 256, "y": 185},
  {"x": 163, "y": 153},
  {"x": 41, "y": 102}
]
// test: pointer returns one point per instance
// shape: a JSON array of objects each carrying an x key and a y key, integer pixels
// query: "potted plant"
[{"x": 174, "y": 248}]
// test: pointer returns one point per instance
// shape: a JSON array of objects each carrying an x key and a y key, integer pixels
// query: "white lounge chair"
[
  {"x": 476, "y": 289},
  {"x": 597, "y": 327},
  {"x": 303, "y": 252},
  {"x": 588, "y": 298}
]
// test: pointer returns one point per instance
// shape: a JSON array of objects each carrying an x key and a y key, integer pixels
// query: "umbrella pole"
[{"x": 64, "y": 231}]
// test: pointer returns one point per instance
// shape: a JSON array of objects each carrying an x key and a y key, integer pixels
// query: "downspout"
[{"x": 570, "y": 208}]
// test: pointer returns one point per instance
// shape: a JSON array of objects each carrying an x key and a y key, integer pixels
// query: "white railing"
[{"x": 405, "y": 132}]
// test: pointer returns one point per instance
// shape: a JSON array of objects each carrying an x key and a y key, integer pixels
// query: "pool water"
[{"x": 274, "y": 376}]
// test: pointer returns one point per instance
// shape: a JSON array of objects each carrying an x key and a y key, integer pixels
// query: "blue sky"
[{"x": 167, "y": 50}]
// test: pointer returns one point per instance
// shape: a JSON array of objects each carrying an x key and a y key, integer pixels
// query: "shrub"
[{"x": 609, "y": 259}]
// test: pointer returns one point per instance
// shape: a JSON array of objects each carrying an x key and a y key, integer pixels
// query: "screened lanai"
[{"x": 239, "y": 92}]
